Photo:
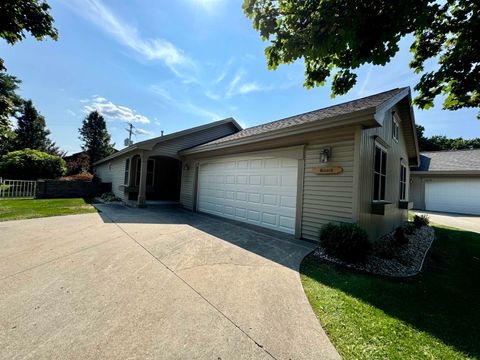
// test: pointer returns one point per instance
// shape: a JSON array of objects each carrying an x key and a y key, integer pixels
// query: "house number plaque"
[{"x": 327, "y": 170}]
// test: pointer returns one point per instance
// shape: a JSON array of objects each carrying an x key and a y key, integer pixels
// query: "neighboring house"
[
  {"x": 447, "y": 181},
  {"x": 344, "y": 163}
]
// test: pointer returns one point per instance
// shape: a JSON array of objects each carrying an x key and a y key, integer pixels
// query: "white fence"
[{"x": 19, "y": 189}]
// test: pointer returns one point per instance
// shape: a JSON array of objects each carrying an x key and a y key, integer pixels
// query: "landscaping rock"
[{"x": 407, "y": 261}]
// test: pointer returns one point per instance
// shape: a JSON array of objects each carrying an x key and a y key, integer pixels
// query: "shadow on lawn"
[{"x": 444, "y": 300}]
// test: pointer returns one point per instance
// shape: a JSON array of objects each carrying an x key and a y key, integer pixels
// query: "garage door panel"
[
  {"x": 260, "y": 191},
  {"x": 453, "y": 195}
]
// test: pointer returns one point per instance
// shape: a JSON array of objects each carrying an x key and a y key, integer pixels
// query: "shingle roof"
[
  {"x": 309, "y": 117},
  {"x": 454, "y": 160}
]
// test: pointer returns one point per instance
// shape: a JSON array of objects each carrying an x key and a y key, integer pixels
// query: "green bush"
[
  {"x": 31, "y": 165},
  {"x": 399, "y": 236},
  {"x": 421, "y": 220},
  {"x": 348, "y": 242},
  {"x": 109, "y": 196}
]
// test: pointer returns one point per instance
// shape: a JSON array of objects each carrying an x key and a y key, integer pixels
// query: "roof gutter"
[{"x": 446, "y": 172}]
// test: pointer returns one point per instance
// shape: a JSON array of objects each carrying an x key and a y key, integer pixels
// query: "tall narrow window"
[
  {"x": 395, "y": 128},
  {"x": 403, "y": 182},
  {"x": 127, "y": 170},
  {"x": 150, "y": 171},
  {"x": 379, "y": 173}
]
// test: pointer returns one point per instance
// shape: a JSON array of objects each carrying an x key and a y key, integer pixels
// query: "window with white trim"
[
  {"x": 395, "y": 128},
  {"x": 127, "y": 169},
  {"x": 379, "y": 173},
  {"x": 403, "y": 181}
]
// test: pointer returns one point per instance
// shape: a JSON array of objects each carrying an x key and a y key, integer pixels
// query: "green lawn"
[
  {"x": 26, "y": 208},
  {"x": 435, "y": 315}
]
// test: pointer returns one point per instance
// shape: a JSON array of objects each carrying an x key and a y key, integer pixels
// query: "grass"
[
  {"x": 27, "y": 208},
  {"x": 435, "y": 315}
]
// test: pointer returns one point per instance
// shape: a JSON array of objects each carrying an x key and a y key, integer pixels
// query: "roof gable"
[{"x": 151, "y": 143}]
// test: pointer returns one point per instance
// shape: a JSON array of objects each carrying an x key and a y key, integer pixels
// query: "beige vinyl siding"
[
  {"x": 417, "y": 192},
  {"x": 172, "y": 147},
  {"x": 187, "y": 187},
  {"x": 377, "y": 225},
  {"x": 328, "y": 198},
  {"x": 113, "y": 172}
]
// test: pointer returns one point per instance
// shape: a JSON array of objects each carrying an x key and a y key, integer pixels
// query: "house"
[
  {"x": 344, "y": 163},
  {"x": 447, "y": 181}
]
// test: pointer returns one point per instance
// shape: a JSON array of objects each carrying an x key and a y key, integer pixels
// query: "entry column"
[{"x": 143, "y": 180}]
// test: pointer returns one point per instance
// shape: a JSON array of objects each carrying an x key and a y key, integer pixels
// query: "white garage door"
[
  {"x": 256, "y": 190},
  {"x": 456, "y": 196}
]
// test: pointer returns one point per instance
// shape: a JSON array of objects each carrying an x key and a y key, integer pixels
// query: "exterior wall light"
[
  {"x": 325, "y": 154},
  {"x": 186, "y": 167}
]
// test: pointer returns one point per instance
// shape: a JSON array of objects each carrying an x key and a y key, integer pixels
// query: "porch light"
[
  {"x": 186, "y": 167},
  {"x": 325, "y": 154}
]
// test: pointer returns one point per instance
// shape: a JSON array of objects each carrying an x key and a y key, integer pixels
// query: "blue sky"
[{"x": 170, "y": 65}]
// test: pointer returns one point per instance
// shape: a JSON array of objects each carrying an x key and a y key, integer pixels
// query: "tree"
[
  {"x": 9, "y": 104},
  {"x": 18, "y": 17},
  {"x": 95, "y": 137},
  {"x": 441, "y": 142},
  {"x": 341, "y": 35},
  {"x": 31, "y": 129}
]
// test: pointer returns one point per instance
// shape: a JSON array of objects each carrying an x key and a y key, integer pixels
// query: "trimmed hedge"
[
  {"x": 28, "y": 164},
  {"x": 348, "y": 242}
]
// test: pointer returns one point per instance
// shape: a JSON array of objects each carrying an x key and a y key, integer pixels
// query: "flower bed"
[{"x": 407, "y": 259}]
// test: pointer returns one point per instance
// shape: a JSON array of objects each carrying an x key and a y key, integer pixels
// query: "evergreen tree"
[
  {"x": 31, "y": 131},
  {"x": 9, "y": 104},
  {"x": 95, "y": 137}
]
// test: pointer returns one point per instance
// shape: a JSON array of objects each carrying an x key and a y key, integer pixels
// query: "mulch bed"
[{"x": 407, "y": 261}]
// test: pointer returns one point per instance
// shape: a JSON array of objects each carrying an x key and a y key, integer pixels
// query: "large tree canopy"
[
  {"x": 95, "y": 137},
  {"x": 335, "y": 37},
  {"x": 18, "y": 17}
]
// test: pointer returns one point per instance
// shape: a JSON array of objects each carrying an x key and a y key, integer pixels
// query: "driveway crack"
[{"x": 193, "y": 289}]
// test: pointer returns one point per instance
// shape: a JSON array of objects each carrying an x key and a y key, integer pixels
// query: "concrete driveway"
[
  {"x": 462, "y": 221},
  {"x": 142, "y": 283}
]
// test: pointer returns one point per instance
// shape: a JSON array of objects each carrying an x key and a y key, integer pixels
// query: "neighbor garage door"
[
  {"x": 256, "y": 190},
  {"x": 455, "y": 195}
]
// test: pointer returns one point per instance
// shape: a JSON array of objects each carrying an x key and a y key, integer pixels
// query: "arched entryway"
[{"x": 162, "y": 180}]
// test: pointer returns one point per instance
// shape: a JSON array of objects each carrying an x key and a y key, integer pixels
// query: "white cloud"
[
  {"x": 129, "y": 36},
  {"x": 183, "y": 104},
  {"x": 209, "y": 5},
  {"x": 139, "y": 131},
  {"x": 212, "y": 95},
  {"x": 71, "y": 112},
  {"x": 162, "y": 92},
  {"x": 238, "y": 87},
  {"x": 114, "y": 112}
]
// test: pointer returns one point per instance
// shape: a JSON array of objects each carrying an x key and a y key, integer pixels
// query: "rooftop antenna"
[{"x": 129, "y": 141}]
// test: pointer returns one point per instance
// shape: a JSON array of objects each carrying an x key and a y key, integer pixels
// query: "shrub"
[
  {"x": 421, "y": 220},
  {"x": 109, "y": 196},
  {"x": 348, "y": 242},
  {"x": 385, "y": 247},
  {"x": 86, "y": 176},
  {"x": 409, "y": 228},
  {"x": 399, "y": 236},
  {"x": 78, "y": 164},
  {"x": 31, "y": 164}
]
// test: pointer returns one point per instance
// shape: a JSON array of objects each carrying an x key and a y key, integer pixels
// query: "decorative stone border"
[{"x": 407, "y": 262}]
